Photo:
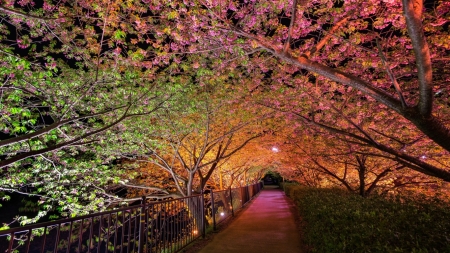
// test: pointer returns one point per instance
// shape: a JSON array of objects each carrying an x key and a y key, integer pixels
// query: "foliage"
[
  {"x": 87, "y": 83},
  {"x": 363, "y": 69},
  {"x": 65, "y": 96},
  {"x": 337, "y": 221}
]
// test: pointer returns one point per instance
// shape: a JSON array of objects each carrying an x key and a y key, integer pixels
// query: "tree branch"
[
  {"x": 327, "y": 37},
  {"x": 413, "y": 13},
  {"x": 28, "y": 16},
  {"x": 51, "y": 127},
  {"x": 291, "y": 26},
  {"x": 433, "y": 127},
  {"x": 144, "y": 187},
  {"x": 25, "y": 155},
  {"x": 391, "y": 75}
]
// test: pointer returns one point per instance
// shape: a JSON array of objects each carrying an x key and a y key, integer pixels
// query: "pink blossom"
[{"x": 48, "y": 7}]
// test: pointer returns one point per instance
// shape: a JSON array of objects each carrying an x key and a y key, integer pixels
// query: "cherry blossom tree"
[
  {"x": 378, "y": 51},
  {"x": 79, "y": 77},
  {"x": 67, "y": 89}
]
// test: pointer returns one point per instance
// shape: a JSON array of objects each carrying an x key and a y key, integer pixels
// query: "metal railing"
[{"x": 162, "y": 227}]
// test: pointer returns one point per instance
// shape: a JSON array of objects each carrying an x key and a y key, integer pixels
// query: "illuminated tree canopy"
[{"x": 191, "y": 86}]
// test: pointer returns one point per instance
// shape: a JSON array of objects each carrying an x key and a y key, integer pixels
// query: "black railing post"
[
  {"x": 231, "y": 202},
  {"x": 212, "y": 210},
  {"x": 142, "y": 226},
  {"x": 202, "y": 205},
  {"x": 247, "y": 191}
]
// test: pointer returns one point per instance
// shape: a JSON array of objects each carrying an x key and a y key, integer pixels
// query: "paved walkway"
[{"x": 266, "y": 226}]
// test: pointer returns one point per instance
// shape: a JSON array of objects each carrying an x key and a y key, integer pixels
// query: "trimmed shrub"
[{"x": 339, "y": 221}]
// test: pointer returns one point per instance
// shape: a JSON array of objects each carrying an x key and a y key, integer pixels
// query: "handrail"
[
  {"x": 161, "y": 226},
  {"x": 86, "y": 216}
]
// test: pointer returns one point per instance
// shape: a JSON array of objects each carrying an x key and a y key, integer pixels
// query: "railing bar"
[
  {"x": 231, "y": 201},
  {"x": 199, "y": 217},
  {"x": 129, "y": 232},
  {"x": 115, "y": 231},
  {"x": 187, "y": 220},
  {"x": 135, "y": 230},
  {"x": 57, "y": 238},
  {"x": 156, "y": 233},
  {"x": 123, "y": 232},
  {"x": 156, "y": 229},
  {"x": 99, "y": 233},
  {"x": 69, "y": 238},
  {"x": 169, "y": 227},
  {"x": 152, "y": 229},
  {"x": 176, "y": 225},
  {"x": 28, "y": 240},
  {"x": 180, "y": 224},
  {"x": 108, "y": 230},
  {"x": 164, "y": 227},
  {"x": 160, "y": 225},
  {"x": 172, "y": 227},
  {"x": 213, "y": 214},
  {"x": 80, "y": 236},
  {"x": 11, "y": 242},
  {"x": 193, "y": 226},
  {"x": 185, "y": 224},
  {"x": 160, "y": 235},
  {"x": 194, "y": 222},
  {"x": 91, "y": 233},
  {"x": 147, "y": 226},
  {"x": 172, "y": 212},
  {"x": 176, "y": 215},
  {"x": 44, "y": 239},
  {"x": 141, "y": 225},
  {"x": 168, "y": 232}
]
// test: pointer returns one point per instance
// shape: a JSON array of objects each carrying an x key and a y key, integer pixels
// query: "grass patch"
[{"x": 339, "y": 221}]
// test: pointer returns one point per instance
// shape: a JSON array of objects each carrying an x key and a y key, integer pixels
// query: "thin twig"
[
  {"x": 391, "y": 75},
  {"x": 291, "y": 26}
]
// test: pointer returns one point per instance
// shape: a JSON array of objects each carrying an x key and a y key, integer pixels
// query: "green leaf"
[{"x": 119, "y": 34}]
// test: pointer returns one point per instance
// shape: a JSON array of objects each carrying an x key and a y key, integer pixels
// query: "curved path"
[{"x": 267, "y": 225}]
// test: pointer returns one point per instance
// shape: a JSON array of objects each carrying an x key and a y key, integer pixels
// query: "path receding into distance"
[{"x": 267, "y": 225}]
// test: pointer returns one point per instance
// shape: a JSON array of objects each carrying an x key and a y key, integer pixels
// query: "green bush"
[{"x": 339, "y": 221}]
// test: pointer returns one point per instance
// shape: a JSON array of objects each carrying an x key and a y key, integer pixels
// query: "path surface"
[{"x": 266, "y": 226}]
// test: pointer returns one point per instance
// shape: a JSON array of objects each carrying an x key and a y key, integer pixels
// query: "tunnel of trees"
[{"x": 102, "y": 101}]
